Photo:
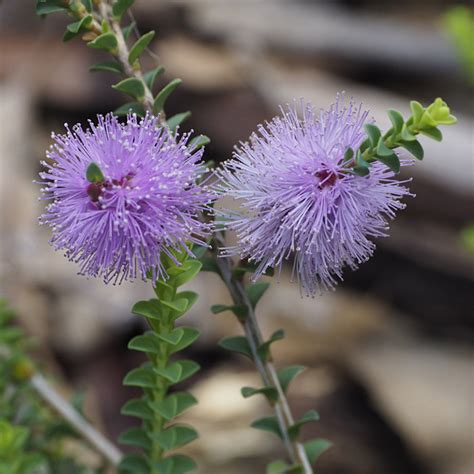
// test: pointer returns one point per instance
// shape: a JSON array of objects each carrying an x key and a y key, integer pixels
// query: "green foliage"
[
  {"x": 239, "y": 310},
  {"x": 45, "y": 7},
  {"x": 132, "y": 86},
  {"x": 402, "y": 134},
  {"x": 315, "y": 448},
  {"x": 163, "y": 95},
  {"x": 94, "y": 173},
  {"x": 467, "y": 238},
  {"x": 107, "y": 66},
  {"x": 199, "y": 142},
  {"x": 264, "y": 349},
  {"x": 255, "y": 291},
  {"x": 270, "y": 393},
  {"x": 176, "y": 120},
  {"x": 294, "y": 430},
  {"x": 270, "y": 424},
  {"x": 287, "y": 374},
  {"x": 119, "y": 7},
  {"x": 237, "y": 344},
  {"x": 459, "y": 23},
  {"x": 73, "y": 29},
  {"x": 157, "y": 408},
  {"x": 150, "y": 76},
  {"x": 139, "y": 46},
  {"x": 133, "y": 107},
  {"x": 127, "y": 30}
]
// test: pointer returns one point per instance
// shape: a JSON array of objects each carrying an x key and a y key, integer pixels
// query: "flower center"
[
  {"x": 97, "y": 189},
  {"x": 327, "y": 178}
]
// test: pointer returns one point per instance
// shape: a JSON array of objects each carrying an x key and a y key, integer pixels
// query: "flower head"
[
  {"x": 122, "y": 194},
  {"x": 298, "y": 197}
]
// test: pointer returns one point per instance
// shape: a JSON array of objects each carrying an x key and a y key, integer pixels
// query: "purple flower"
[
  {"x": 298, "y": 198},
  {"x": 145, "y": 201}
]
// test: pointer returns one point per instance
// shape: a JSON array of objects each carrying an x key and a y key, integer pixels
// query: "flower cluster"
[
  {"x": 144, "y": 200},
  {"x": 299, "y": 198}
]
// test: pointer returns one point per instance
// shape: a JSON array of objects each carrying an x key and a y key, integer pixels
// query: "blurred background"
[{"x": 390, "y": 354}]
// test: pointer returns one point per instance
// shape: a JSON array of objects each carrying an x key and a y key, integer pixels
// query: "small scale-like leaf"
[
  {"x": 138, "y": 408},
  {"x": 407, "y": 135},
  {"x": 176, "y": 120},
  {"x": 175, "y": 464},
  {"x": 270, "y": 393},
  {"x": 45, "y": 8},
  {"x": 139, "y": 46},
  {"x": 127, "y": 30},
  {"x": 348, "y": 154},
  {"x": 294, "y": 430},
  {"x": 188, "y": 369},
  {"x": 150, "y": 76},
  {"x": 281, "y": 467},
  {"x": 417, "y": 110},
  {"x": 433, "y": 132},
  {"x": 236, "y": 344},
  {"x": 172, "y": 372},
  {"x": 192, "y": 268},
  {"x": 163, "y": 95},
  {"x": 239, "y": 310},
  {"x": 315, "y": 448},
  {"x": 264, "y": 348},
  {"x": 361, "y": 170},
  {"x": 414, "y": 147},
  {"x": 179, "y": 305},
  {"x": 88, "y": 5},
  {"x": 255, "y": 291},
  {"x": 172, "y": 337},
  {"x": 191, "y": 296},
  {"x": 140, "y": 377},
  {"x": 189, "y": 336},
  {"x": 382, "y": 149},
  {"x": 269, "y": 424},
  {"x": 287, "y": 374},
  {"x": 373, "y": 132},
  {"x": 397, "y": 120},
  {"x": 175, "y": 437},
  {"x": 209, "y": 265},
  {"x": 134, "y": 464},
  {"x": 78, "y": 26},
  {"x": 144, "y": 343},
  {"x": 392, "y": 161},
  {"x": 94, "y": 173},
  {"x": 131, "y": 107},
  {"x": 198, "y": 142},
  {"x": 119, "y": 7},
  {"x": 107, "y": 66},
  {"x": 149, "y": 309},
  {"x": 173, "y": 405},
  {"x": 131, "y": 86},
  {"x": 135, "y": 437},
  {"x": 106, "y": 41}
]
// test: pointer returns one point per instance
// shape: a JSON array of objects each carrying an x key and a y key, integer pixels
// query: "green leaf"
[
  {"x": 236, "y": 344},
  {"x": 244, "y": 268},
  {"x": 127, "y": 30},
  {"x": 433, "y": 132},
  {"x": 134, "y": 464},
  {"x": 140, "y": 377},
  {"x": 294, "y": 430},
  {"x": 172, "y": 337},
  {"x": 137, "y": 407},
  {"x": 255, "y": 291},
  {"x": 348, "y": 154},
  {"x": 198, "y": 142},
  {"x": 176, "y": 120},
  {"x": 192, "y": 268},
  {"x": 188, "y": 369},
  {"x": 239, "y": 310},
  {"x": 88, "y": 5},
  {"x": 174, "y": 405},
  {"x": 178, "y": 305},
  {"x": 176, "y": 464},
  {"x": 189, "y": 336},
  {"x": 94, "y": 173},
  {"x": 135, "y": 437},
  {"x": 107, "y": 66},
  {"x": 373, "y": 132},
  {"x": 417, "y": 110},
  {"x": 209, "y": 265},
  {"x": 106, "y": 41},
  {"x": 45, "y": 8},
  {"x": 78, "y": 26},
  {"x": 382, "y": 149},
  {"x": 144, "y": 343},
  {"x": 139, "y": 46},
  {"x": 397, "y": 120},
  {"x": 119, "y": 7},
  {"x": 270, "y": 393},
  {"x": 175, "y": 437},
  {"x": 315, "y": 448},
  {"x": 131, "y": 86},
  {"x": 191, "y": 296},
  {"x": 391, "y": 161},
  {"x": 407, "y": 135},
  {"x": 287, "y": 374},
  {"x": 163, "y": 95},
  {"x": 178, "y": 371},
  {"x": 264, "y": 348},
  {"x": 149, "y": 309},
  {"x": 150, "y": 76},
  {"x": 131, "y": 107},
  {"x": 281, "y": 467},
  {"x": 414, "y": 147},
  {"x": 269, "y": 424}
]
